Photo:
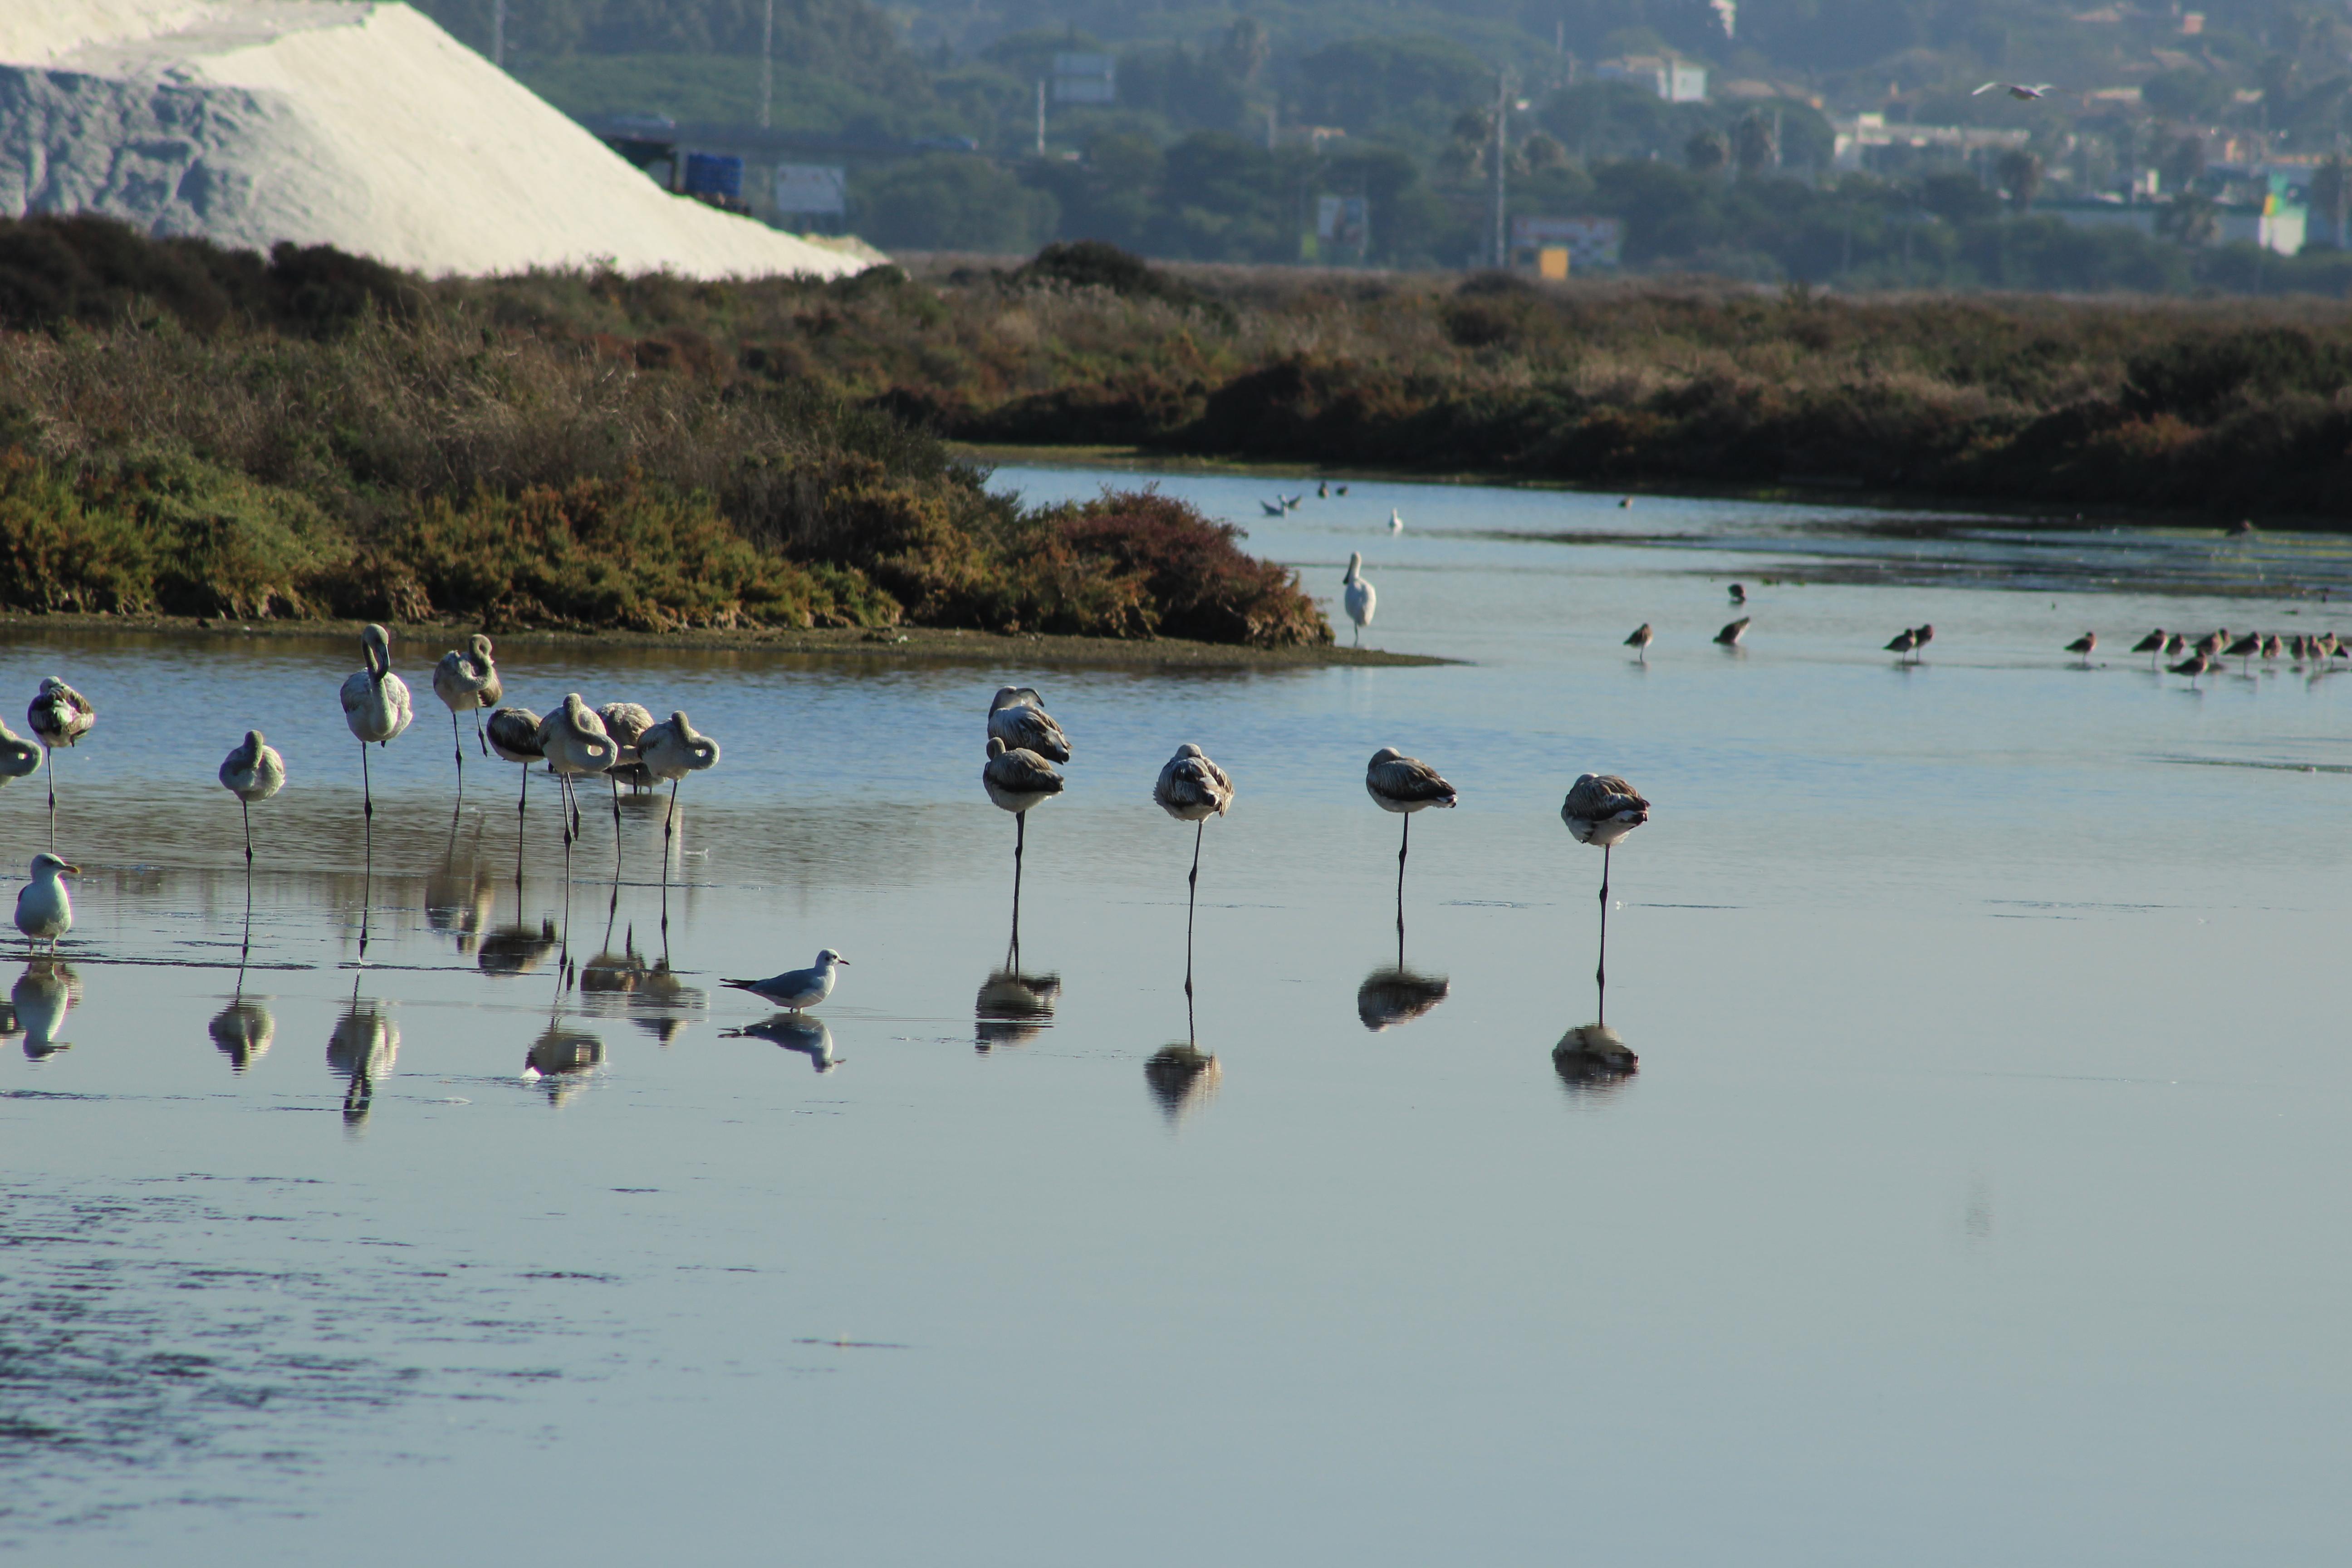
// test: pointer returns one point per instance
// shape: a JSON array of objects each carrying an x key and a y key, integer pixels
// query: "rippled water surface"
[{"x": 1979, "y": 1198}]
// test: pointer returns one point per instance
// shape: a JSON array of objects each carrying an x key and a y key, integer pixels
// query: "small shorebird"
[
  {"x": 44, "y": 908},
  {"x": 1639, "y": 642},
  {"x": 1192, "y": 789},
  {"x": 375, "y": 706},
  {"x": 671, "y": 750},
  {"x": 1272, "y": 508},
  {"x": 1017, "y": 716},
  {"x": 1903, "y": 642},
  {"x": 2020, "y": 90},
  {"x": 2244, "y": 649},
  {"x": 1729, "y": 636},
  {"x": 1396, "y": 520},
  {"x": 796, "y": 988},
  {"x": 2083, "y": 645},
  {"x": 2195, "y": 665},
  {"x": 2273, "y": 646},
  {"x": 1358, "y": 595},
  {"x": 59, "y": 716},
  {"x": 1602, "y": 808},
  {"x": 1404, "y": 785},
  {"x": 467, "y": 680},
  {"x": 1738, "y": 593},
  {"x": 1924, "y": 633},
  {"x": 253, "y": 772},
  {"x": 2214, "y": 642},
  {"x": 574, "y": 743},
  {"x": 1322, "y": 490},
  {"x": 2151, "y": 645},
  {"x": 2175, "y": 645}
]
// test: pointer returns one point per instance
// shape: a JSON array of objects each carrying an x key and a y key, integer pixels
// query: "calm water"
[{"x": 1980, "y": 1197}]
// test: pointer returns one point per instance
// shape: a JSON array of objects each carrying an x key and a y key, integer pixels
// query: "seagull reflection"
[
  {"x": 361, "y": 1052},
  {"x": 1013, "y": 1008},
  {"x": 1593, "y": 1059},
  {"x": 42, "y": 997},
  {"x": 794, "y": 1032},
  {"x": 561, "y": 1061}
]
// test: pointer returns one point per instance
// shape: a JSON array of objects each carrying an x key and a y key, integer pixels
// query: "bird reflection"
[
  {"x": 1183, "y": 1078},
  {"x": 361, "y": 1052},
  {"x": 1013, "y": 1008},
  {"x": 561, "y": 1061},
  {"x": 41, "y": 998},
  {"x": 1394, "y": 994},
  {"x": 796, "y": 1032},
  {"x": 662, "y": 1002},
  {"x": 1593, "y": 1059},
  {"x": 517, "y": 949},
  {"x": 243, "y": 1030},
  {"x": 460, "y": 896}
]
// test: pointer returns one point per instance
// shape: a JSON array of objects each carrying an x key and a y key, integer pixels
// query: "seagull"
[
  {"x": 467, "y": 680},
  {"x": 1602, "y": 808},
  {"x": 2023, "y": 91},
  {"x": 2151, "y": 645},
  {"x": 253, "y": 772},
  {"x": 44, "y": 908},
  {"x": 574, "y": 743},
  {"x": 1729, "y": 636},
  {"x": 2083, "y": 644},
  {"x": 1396, "y": 520},
  {"x": 796, "y": 988},
  {"x": 375, "y": 706},
  {"x": 1272, "y": 508},
  {"x": 1290, "y": 504},
  {"x": 1358, "y": 595},
  {"x": 1322, "y": 490},
  {"x": 1192, "y": 789},
  {"x": 1017, "y": 716},
  {"x": 671, "y": 750},
  {"x": 1905, "y": 641},
  {"x": 1639, "y": 641},
  {"x": 59, "y": 716},
  {"x": 1403, "y": 784},
  {"x": 514, "y": 737}
]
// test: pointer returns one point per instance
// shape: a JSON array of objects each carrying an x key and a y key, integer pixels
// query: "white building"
[
  {"x": 1676, "y": 82},
  {"x": 1856, "y": 137}
]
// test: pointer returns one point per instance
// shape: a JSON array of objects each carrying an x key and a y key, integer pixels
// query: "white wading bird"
[
  {"x": 574, "y": 743},
  {"x": 60, "y": 716},
  {"x": 467, "y": 682},
  {"x": 1358, "y": 595},
  {"x": 1192, "y": 789},
  {"x": 671, "y": 750},
  {"x": 253, "y": 772},
  {"x": 796, "y": 988},
  {"x": 375, "y": 706},
  {"x": 44, "y": 908}
]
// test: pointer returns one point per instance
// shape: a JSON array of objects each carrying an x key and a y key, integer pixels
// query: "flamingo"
[
  {"x": 1192, "y": 789},
  {"x": 574, "y": 743},
  {"x": 627, "y": 722},
  {"x": 514, "y": 737},
  {"x": 1602, "y": 808},
  {"x": 1017, "y": 717},
  {"x": 376, "y": 707},
  {"x": 253, "y": 772},
  {"x": 1358, "y": 595},
  {"x": 671, "y": 750},
  {"x": 468, "y": 680},
  {"x": 19, "y": 758},
  {"x": 1017, "y": 780},
  {"x": 1404, "y": 785},
  {"x": 59, "y": 716}
]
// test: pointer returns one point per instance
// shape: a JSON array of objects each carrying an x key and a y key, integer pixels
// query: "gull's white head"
[
  {"x": 46, "y": 866},
  {"x": 827, "y": 958}
]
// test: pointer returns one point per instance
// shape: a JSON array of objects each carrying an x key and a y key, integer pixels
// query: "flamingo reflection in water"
[
  {"x": 361, "y": 1051},
  {"x": 1393, "y": 996},
  {"x": 562, "y": 1061},
  {"x": 1593, "y": 1059}
]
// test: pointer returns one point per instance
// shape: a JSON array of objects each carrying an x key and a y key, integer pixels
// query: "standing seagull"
[
  {"x": 1358, "y": 595},
  {"x": 253, "y": 772},
  {"x": 1403, "y": 784},
  {"x": 671, "y": 750},
  {"x": 1017, "y": 717},
  {"x": 375, "y": 705},
  {"x": 468, "y": 680},
  {"x": 1192, "y": 789},
  {"x": 574, "y": 742},
  {"x": 1729, "y": 636},
  {"x": 44, "y": 908},
  {"x": 2083, "y": 645},
  {"x": 59, "y": 716},
  {"x": 796, "y": 988},
  {"x": 1602, "y": 808},
  {"x": 1396, "y": 525},
  {"x": 1639, "y": 642}
]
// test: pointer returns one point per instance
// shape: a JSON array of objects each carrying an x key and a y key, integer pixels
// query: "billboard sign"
[
  {"x": 1589, "y": 241},
  {"x": 812, "y": 188},
  {"x": 1084, "y": 78}
]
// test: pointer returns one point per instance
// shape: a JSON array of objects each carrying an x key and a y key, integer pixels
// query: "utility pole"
[
  {"x": 1041, "y": 117},
  {"x": 498, "y": 33},
  {"x": 1502, "y": 113},
  {"x": 767, "y": 63}
]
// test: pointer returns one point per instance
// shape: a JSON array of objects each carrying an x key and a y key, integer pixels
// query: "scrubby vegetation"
[{"x": 190, "y": 432}]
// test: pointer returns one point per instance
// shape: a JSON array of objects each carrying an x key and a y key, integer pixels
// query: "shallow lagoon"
[{"x": 1978, "y": 1199}]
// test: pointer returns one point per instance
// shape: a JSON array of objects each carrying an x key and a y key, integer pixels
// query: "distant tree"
[
  {"x": 1386, "y": 84},
  {"x": 1957, "y": 198},
  {"x": 2189, "y": 218},
  {"x": 948, "y": 202},
  {"x": 1707, "y": 152},
  {"x": 2021, "y": 175},
  {"x": 2193, "y": 94},
  {"x": 2182, "y": 163},
  {"x": 1542, "y": 151},
  {"x": 1193, "y": 90},
  {"x": 2331, "y": 199},
  {"x": 1246, "y": 48},
  {"x": 1755, "y": 143}
]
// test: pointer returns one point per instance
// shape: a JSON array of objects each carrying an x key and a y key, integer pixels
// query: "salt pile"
[{"x": 358, "y": 125}]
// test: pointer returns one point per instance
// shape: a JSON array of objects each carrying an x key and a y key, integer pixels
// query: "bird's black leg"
[
  {"x": 1192, "y": 899},
  {"x": 480, "y": 739},
  {"x": 248, "y": 809},
  {"x": 1600, "y": 970},
  {"x": 457, "y": 749},
  {"x": 1020, "y": 841}
]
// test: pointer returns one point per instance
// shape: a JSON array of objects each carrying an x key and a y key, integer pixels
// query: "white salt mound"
[{"x": 344, "y": 122}]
